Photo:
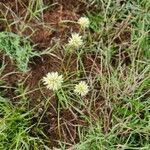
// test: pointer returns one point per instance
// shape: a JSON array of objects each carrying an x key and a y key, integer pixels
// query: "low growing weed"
[{"x": 17, "y": 48}]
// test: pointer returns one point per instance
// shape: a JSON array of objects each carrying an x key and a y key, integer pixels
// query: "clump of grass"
[
  {"x": 15, "y": 128},
  {"x": 17, "y": 48}
]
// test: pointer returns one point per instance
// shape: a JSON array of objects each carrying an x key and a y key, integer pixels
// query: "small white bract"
[
  {"x": 53, "y": 81},
  {"x": 75, "y": 40},
  {"x": 84, "y": 22},
  {"x": 81, "y": 88}
]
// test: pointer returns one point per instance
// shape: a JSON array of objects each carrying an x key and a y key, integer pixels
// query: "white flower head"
[
  {"x": 75, "y": 40},
  {"x": 84, "y": 22},
  {"x": 53, "y": 81},
  {"x": 81, "y": 88}
]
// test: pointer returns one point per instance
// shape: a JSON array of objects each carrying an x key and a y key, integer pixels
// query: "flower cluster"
[
  {"x": 53, "y": 81},
  {"x": 76, "y": 40}
]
